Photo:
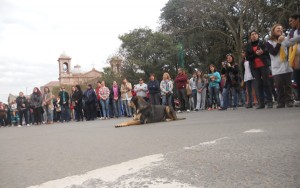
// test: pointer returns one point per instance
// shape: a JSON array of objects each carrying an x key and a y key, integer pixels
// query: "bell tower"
[{"x": 64, "y": 63}]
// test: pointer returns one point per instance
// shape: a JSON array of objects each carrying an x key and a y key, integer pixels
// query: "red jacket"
[{"x": 181, "y": 81}]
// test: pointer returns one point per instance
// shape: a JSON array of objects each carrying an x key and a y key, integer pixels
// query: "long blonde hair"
[
  {"x": 273, "y": 35},
  {"x": 166, "y": 75}
]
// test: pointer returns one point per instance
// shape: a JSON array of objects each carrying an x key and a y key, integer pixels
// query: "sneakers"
[
  {"x": 19, "y": 125},
  {"x": 28, "y": 125},
  {"x": 187, "y": 110},
  {"x": 209, "y": 109},
  {"x": 178, "y": 111},
  {"x": 297, "y": 104},
  {"x": 222, "y": 109}
]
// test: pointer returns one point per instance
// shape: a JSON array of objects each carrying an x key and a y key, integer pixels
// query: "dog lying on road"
[{"x": 146, "y": 113}]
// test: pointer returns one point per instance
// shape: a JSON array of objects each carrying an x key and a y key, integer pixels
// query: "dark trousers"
[
  {"x": 90, "y": 111},
  {"x": 297, "y": 80},
  {"x": 283, "y": 85},
  {"x": 78, "y": 112},
  {"x": 262, "y": 84},
  {"x": 249, "y": 85},
  {"x": 214, "y": 94},
  {"x": 154, "y": 98},
  {"x": 37, "y": 115},
  {"x": 65, "y": 113},
  {"x": 21, "y": 114},
  {"x": 182, "y": 96}
]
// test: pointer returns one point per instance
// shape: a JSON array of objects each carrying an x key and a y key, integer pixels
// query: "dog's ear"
[{"x": 142, "y": 104}]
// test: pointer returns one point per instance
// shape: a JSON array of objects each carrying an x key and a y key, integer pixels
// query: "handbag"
[{"x": 188, "y": 90}]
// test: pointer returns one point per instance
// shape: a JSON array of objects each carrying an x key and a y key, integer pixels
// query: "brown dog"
[{"x": 146, "y": 113}]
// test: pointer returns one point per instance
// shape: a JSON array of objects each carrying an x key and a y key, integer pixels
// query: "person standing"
[
  {"x": 154, "y": 91},
  {"x": 259, "y": 61},
  {"x": 166, "y": 88},
  {"x": 115, "y": 95},
  {"x": 22, "y": 105},
  {"x": 104, "y": 100},
  {"x": 281, "y": 71},
  {"x": 126, "y": 94},
  {"x": 248, "y": 80},
  {"x": 90, "y": 99},
  {"x": 193, "y": 86},
  {"x": 181, "y": 81},
  {"x": 77, "y": 101},
  {"x": 98, "y": 100},
  {"x": 231, "y": 70},
  {"x": 214, "y": 80},
  {"x": 48, "y": 106},
  {"x": 293, "y": 42},
  {"x": 64, "y": 104},
  {"x": 141, "y": 89},
  {"x": 201, "y": 84},
  {"x": 36, "y": 103}
]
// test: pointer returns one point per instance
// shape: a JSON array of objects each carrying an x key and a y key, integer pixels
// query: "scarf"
[
  {"x": 282, "y": 54},
  {"x": 292, "y": 55}
]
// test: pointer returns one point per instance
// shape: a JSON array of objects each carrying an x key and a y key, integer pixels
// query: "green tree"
[{"x": 147, "y": 52}]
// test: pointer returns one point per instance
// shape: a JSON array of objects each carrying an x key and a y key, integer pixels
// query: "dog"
[{"x": 146, "y": 113}]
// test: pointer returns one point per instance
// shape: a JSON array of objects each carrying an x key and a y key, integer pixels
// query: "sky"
[{"x": 34, "y": 33}]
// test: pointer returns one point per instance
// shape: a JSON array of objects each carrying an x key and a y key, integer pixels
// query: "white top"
[
  {"x": 141, "y": 89},
  {"x": 277, "y": 66},
  {"x": 247, "y": 76},
  {"x": 193, "y": 83}
]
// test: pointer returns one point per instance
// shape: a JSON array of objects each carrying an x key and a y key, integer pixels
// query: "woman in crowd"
[
  {"x": 154, "y": 90},
  {"x": 90, "y": 100},
  {"x": 36, "y": 103},
  {"x": 141, "y": 89},
  {"x": 281, "y": 71},
  {"x": 77, "y": 103},
  {"x": 248, "y": 80},
  {"x": 201, "y": 85},
  {"x": 22, "y": 105},
  {"x": 47, "y": 106},
  {"x": 259, "y": 61},
  {"x": 104, "y": 100},
  {"x": 115, "y": 95},
  {"x": 166, "y": 88},
  {"x": 214, "y": 80},
  {"x": 193, "y": 86},
  {"x": 126, "y": 94},
  {"x": 231, "y": 70},
  {"x": 181, "y": 83}
]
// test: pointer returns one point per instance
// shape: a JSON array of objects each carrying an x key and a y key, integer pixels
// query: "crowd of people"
[{"x": 264, "y": 76}]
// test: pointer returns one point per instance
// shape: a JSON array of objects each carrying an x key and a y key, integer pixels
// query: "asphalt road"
[{"x": 240, "y": 148}]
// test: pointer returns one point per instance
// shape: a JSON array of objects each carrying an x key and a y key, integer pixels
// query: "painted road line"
[
  {"x": 206, "y": 143},
  {"x": 254, "y": 131},
  {"x": 107, "y": 174}
]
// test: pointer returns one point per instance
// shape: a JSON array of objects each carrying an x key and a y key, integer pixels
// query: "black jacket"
[
  {"x": 20, "y": 101},
  {"x": 231, "y": 73},
  {"x": 77, "y": 96},
  {"x": 111, "y": 95},
  {"x": 67, "y": 98},
  {"x": 251, "y": 55}
]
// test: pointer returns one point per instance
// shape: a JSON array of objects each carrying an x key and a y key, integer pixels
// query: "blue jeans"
[
  {"x": 225, "y": 94},
  {"x": 65, "y": 113},
  {"x": 167, "y": 99},
  {"x": 214, "y": 93},
  {"x": 104, "y": 105},
  {"x": 116, "y": 106},
  {"x": 127, "y": 109}
]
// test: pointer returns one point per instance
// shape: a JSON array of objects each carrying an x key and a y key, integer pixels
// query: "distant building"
[
  {"x": 68, "y": 76},
  {"x": 116, "y": 63}
]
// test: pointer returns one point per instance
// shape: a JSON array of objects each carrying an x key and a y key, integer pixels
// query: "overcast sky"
[{"x": 33, "y": 34}]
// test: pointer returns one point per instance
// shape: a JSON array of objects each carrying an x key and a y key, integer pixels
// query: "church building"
[{"x": 69, "y": 76}]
